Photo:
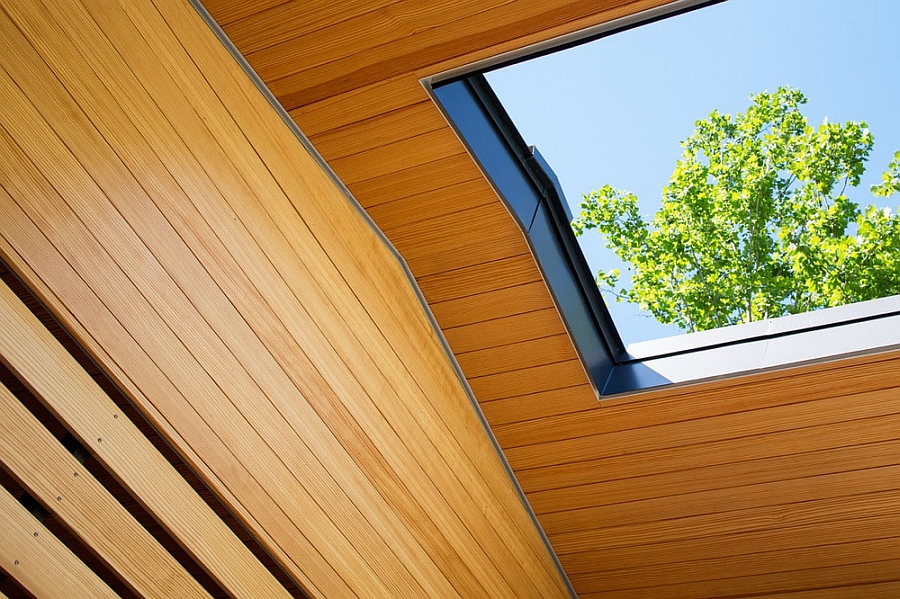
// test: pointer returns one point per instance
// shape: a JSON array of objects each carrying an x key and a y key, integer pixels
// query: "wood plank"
[
  {"x": 273, "y": 425},
  {"x": 839, "y": 577},
  {"x": 344, "y": 37},
  {"x": 750, "y": 565},
  {"x": 519, "y": 356},
  {"x": 396, "y": 214},
  {"x": 862, "y": 591},
  {"x": 844, "y": 375},
  {"x": 529, "y": 380},
  {"x": 228, "y": 11},
  {"x": 38, "y": 561},
  {"x": 425, "y": 178},
  {"x": 503, "y": 331},
  {"x": 733, "y": 546},
  {"x": 143, "y": 319},
  {"x": 580, "y": 443},
  {"x": 479, "y": 278},
  {"x": 386, "y": 128},
  {"x": 507, "y": 483},
  {"x": 538, "y": 405},
  {"x": 403, "y": 324},
  {"x": 268, "y": 26},
  {"x": 687, "y": 504},
  {"x": 369, "y": 413},
  {"x": 819, "y": 511},
  {"x": 706, "y": 403},
  {"x": 734, "y": 476},
  {"x": 61, "y": 483},
  {"x": 65, "y": 389},
  {"x": 492, "y": 304},
  {"x": 727, "y": 453},
  {"x": 460, "y": 239},
  {"x": 359, "y": 104},
  {"x": 265, "y": 519},
  {"x": 403, "y": 154},
  {"x": 298, "y": 78}
]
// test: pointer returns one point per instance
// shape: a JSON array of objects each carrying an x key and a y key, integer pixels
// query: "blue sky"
[{"x": 614, "y": 110}]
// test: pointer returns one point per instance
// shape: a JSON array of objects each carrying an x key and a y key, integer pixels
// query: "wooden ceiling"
[
  {"x": 772, "y": 484},
  {"x": 159, "y": 207},
  {"x": 166, "y": 216}
]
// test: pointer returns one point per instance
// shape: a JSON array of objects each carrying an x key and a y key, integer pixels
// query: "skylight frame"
[{"x": 529, "y": 188}]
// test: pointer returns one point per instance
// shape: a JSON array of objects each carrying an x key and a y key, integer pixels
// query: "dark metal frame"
[{"x": 531, "y": 191}]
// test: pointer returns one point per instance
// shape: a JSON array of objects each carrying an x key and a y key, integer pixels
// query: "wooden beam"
[
  {"x": 39, "y": 561},
  {"x": 35, "y": 356},
  {"x": 68, "y": 490}
]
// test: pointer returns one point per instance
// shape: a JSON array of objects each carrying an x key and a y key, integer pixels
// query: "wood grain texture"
[
  {"x": 56, "y": 479},
  {"x": 68, "y": 392},
  {"x": 390, "y": 127},
  {"x": 218, "y": 275},
  {"x": 431, "y": 177},
  {"x": 506, "y": 330},
  {"x": 39, "y": 561},
  {"x": 200, "y": 254}
]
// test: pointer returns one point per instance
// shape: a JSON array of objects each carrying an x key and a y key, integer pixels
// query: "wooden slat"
[
  {"x": 67, "y": 391},
  {"x": 844, "y": 575},
  {"x": 750, "y": 569},
  {"x": 508, "y": 513},
  {"x": 154, "y": 332},
  {"x": 54, "y": 477},
  {"x": 394, "y": 215},
  {"x": 787, "y": 412},
  {"x": 264, "y": 519},
  {"x": 464, "y": 31},
  {"x": 656, "y": 556},
  {"x": 725, "y": 452},
  {"x": 734, "y": 477},
  {"x": 335, "y": 219},
  {"x": 539, "y": 405},
  {"x": 390, "y": 127},
  {"x": 821, "y": 511},
  {"x": 529, "y": 380},
  {"x": 674, "y": 405},
  {"x": 480, "y": 278},
  {"x": 265, "y": 27},
  {"x": 228, "y": 12},
  {"x": 886, "y": 590},
  {"x": 38, "y": 561},
  {"x": 580, "y": 447},
  {"x": 342, "y": 36},
  {"x": 475, "y": 236},
  {"x": 424, "y": 178},
  {"x": 504, "y": 331},
  {"x": 403, "y": 154},
  {"x": 527, "y": 354},
  {"x": 359, "y": 104},
  {"x": 459, "y": 312},
  {"x": 561, "y": 519}
]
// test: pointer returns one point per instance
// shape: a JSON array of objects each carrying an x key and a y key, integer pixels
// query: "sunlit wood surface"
[
  {"x": 164, "y": 213},
  {"x": 768, "y": 485}
]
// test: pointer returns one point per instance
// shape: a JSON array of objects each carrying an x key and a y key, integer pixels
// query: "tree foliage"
[{"x": 754, "y": 222}]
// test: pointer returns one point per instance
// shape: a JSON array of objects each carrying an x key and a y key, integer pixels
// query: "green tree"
[{"x": 754, "y": 222}]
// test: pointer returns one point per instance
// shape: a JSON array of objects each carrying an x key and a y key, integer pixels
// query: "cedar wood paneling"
[
  {"x": 777, "y": 483},
  {"x": 162, "y": 210}
]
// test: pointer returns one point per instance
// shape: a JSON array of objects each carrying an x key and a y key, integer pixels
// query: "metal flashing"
[{"x": 529, "y": 188}]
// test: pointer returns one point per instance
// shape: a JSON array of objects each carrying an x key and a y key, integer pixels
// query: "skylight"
[{"x": 614, "y": 110}]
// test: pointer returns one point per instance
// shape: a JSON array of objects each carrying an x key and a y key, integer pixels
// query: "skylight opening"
[
  {"x": 611, "y": 114},
  {"x": 614, "y": 111}
]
